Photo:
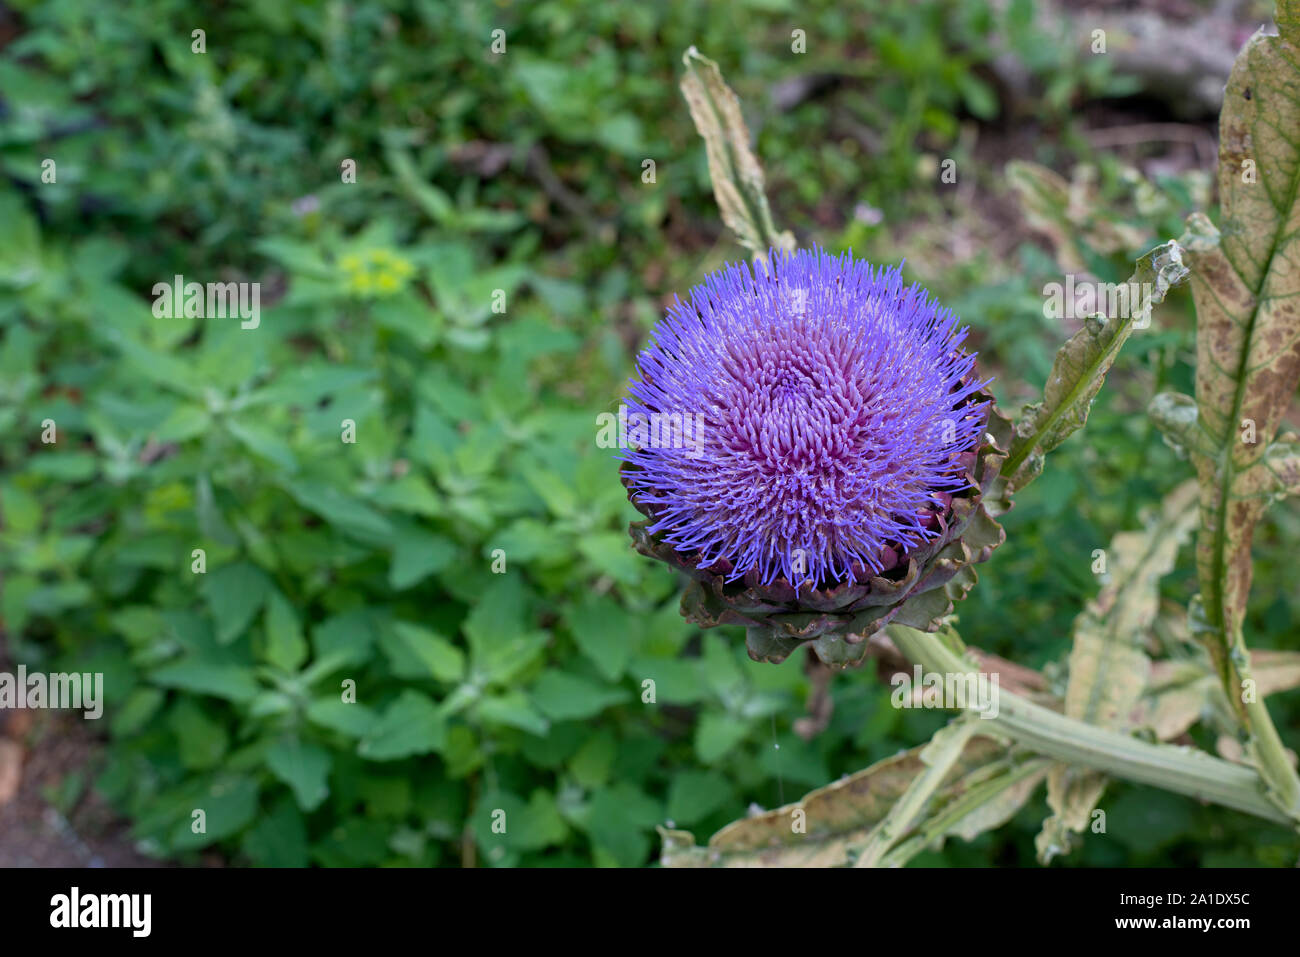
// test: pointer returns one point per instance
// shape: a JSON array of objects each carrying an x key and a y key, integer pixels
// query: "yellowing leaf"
[
  {"x": 1108, "y": 663},
  {"x": 982, "y": 788},
  {"x": 1246, "y": 284},
  {"x": 737, "y": 177},
  {"x": 1109, "y": 667}
]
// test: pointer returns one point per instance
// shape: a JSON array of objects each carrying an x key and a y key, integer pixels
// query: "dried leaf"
[
  {"x": 1178, "y": 696},
  {"x": 825, "y": 828},
  {"x": 1246, "y": 284},
  {"x": 1109, "y": 667},
  {"x": 1070, "y": 213},
  {"x": 1016, "y": 790},
  {"x": 939, "y": 756},
  {"x": 1275, "y": 671},
  {"x": 737, "y": 178},
  {"x": 1108, "y": 662},
  {"x": 1181, "y": 693},
  {"x": 1044, "y": 198}
]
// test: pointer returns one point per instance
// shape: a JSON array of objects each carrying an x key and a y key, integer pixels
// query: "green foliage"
[{"x": 333, "y": 568}]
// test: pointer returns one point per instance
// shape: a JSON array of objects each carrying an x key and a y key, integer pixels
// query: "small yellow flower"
[{"x": 375, "y": 272}]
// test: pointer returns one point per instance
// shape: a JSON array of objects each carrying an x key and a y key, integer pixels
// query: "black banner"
[{"x": 216, "y": 906}]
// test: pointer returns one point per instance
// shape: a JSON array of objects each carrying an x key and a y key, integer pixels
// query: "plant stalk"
[
  {"x": 973, "y": 800},
  {"x": 1181, "y": 770},
  {"x": 939, "y": 758}
]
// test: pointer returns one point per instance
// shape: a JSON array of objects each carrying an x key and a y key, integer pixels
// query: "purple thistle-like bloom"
[{"x": 836, "y": 415}]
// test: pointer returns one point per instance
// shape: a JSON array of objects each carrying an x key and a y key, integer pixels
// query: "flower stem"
[
  {"x": 1271, "y": 756},
  {"x": 1181, "y": 770}
]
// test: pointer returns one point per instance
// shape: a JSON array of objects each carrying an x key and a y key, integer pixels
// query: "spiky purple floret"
[{"x": 835, "y": 404}]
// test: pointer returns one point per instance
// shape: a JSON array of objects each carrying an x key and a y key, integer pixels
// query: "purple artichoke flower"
[{"x": 809, "y": 442}]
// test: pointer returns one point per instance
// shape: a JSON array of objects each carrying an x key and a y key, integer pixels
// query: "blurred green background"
[{"x": 372, "y": 562}]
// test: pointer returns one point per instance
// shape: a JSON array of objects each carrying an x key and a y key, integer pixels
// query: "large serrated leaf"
[
  {"x": 1108, "y": 661},
  {"x": 1246, "y": 285},
  {"x": 1109, "y": 667},
  {"x": 828, "y": 825},
  {"x": 1247, "y": 291},
  {"x": 1081, "y": 365},
  {"x": 737, "y": 177}
]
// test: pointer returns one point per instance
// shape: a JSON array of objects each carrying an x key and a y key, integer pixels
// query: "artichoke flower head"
[{"x": 829, "y": 449}]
